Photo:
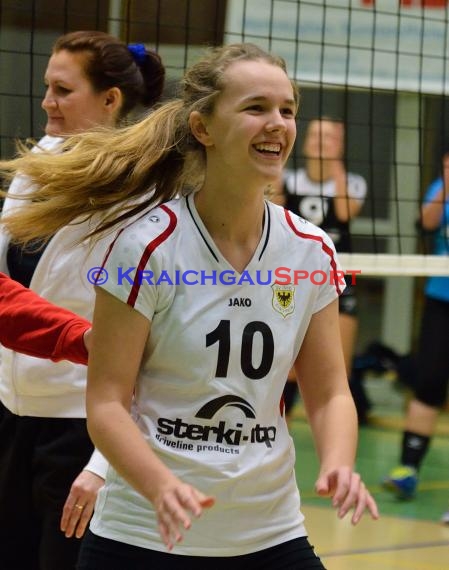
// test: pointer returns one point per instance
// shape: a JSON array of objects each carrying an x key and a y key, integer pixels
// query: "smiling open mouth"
[{"x": 268, "y": 148}]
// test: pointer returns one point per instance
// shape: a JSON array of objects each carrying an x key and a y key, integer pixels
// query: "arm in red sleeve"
[{"x": 34, "y": 326}]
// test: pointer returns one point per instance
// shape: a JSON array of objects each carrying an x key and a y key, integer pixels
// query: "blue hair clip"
[{"x": 139, "y": 52}]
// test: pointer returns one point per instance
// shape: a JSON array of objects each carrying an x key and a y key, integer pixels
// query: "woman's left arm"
[
  {"x": 332, "y": 415},
  {"x": 119, "y": 337},
  {"x": 346, "y": 207}
]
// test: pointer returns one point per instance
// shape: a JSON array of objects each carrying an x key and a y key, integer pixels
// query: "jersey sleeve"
[
  {"x": 357, "y": 187},
  {"x": 292, "y": 180},
  {"x": 33, "y": 326},
  {"x": 97, "y": 464},
  {"x": 134, "y": 262},
  {"x": 433, "y": 190}
]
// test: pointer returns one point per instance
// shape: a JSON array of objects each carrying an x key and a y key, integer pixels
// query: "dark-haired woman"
[{"x": 50, "y": 474}]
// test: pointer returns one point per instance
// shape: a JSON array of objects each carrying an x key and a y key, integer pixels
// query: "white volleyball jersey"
[{"x": 208, "y": 395}]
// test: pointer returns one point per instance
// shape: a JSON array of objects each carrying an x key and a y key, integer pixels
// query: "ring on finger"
[{"x": 80, "y": 507}]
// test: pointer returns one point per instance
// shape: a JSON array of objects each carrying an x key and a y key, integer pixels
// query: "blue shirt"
[{"x": 438, "y": 287}]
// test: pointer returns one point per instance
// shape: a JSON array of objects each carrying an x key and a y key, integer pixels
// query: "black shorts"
[
  {"x": 99, "y": 553},
  {"x": 432, "y": 366},
  {"x": 290, "y": 395},
  {"x": 347, "y": 302},
  {"x": 39, "y": 460}
]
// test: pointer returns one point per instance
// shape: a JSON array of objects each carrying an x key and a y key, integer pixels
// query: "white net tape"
[{"x": 394, "y": 265}]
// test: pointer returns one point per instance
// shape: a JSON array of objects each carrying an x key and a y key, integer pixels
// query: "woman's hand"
[
  {"x": 80, "y": 503},
  {"x": 347, "y": 491},
  {"x": 175, "y": 503}
]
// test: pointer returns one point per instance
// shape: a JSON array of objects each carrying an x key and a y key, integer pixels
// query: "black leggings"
[
  {"x": 99, "y": 553},
  {"x": 347, "y": 302},
  {"x": 39, "y": 459},
  {"x": 432, "y": 374}
]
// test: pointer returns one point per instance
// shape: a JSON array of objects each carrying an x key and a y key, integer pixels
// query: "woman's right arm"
[
  {"x": 432, "y": 210},
  {"x": 119, "y": 336}
]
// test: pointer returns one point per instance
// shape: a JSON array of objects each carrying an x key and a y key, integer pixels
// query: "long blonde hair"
[{"x": 120, "y": 172}]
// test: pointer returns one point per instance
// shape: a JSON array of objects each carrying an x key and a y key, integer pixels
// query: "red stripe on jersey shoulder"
[
  {"x": 108, "y": 252},
  {"x": 150, "y": 248},
  {"x": 319, "y": 239}
]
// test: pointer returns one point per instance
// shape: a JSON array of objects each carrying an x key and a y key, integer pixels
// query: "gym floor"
[{"x": 409, "y": 535}]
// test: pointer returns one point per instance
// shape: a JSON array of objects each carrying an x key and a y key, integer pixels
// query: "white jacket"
[{"x": 36, "y": 387}]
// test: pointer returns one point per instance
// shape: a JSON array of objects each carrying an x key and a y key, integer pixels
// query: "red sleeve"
[{"x": 32, "y": 325}]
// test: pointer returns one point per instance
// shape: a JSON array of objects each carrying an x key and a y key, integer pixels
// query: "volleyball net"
[{"x": 380, "y": 65}]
